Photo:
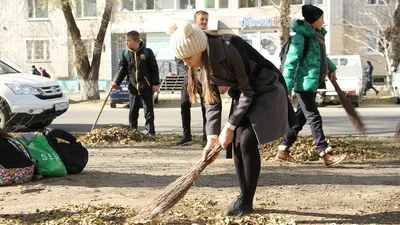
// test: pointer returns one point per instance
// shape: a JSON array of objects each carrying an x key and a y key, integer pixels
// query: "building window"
[
  {"x": 270, "y": 2},
  {"x": 165, "y": 4},
  {"x": 38, "y": 9},
  {"x": 136, "y": 5},
  {"x": 187, "y": 4},
  {"x": 248, "y": 3},
  {"x": 256, "y": 3},
  {"x": 144, "y": 4},
  {"x": 378, "y": 2},
  {"x": 314, "y": 2},
  {"x": 379, "y": 80},
  {"x": 37, "y": 50},
  {"x": 223, "y": 4},
  {"x": 306, "y": 2},
  {"x": 89, "y": 45},
  {"x": 211, "y": 4},
  {"x": 372, "y": 43},
  {"x": 86, "y": 8}
]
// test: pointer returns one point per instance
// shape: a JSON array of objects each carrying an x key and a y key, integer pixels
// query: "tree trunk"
[
  {"x": 388, "y": 70},
  {"x": 89, "y": 89},
  {"x": 285, "y": 20},
  {"x": 88, "y": 73}
]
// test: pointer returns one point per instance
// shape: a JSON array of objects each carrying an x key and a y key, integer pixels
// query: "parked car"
[
  {"x": 29, "y": 100},
  {"x": 120, "y": 95},
  {"x": 349, "y": 76}
]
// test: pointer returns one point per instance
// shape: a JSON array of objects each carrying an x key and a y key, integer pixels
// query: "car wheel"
[
  {"x": 39, "y": 125},
  {"x": 5, "y": 124},
  {"x": 113, "y": 105}
]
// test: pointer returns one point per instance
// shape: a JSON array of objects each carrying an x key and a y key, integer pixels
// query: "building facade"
[{"x": 40, "y": 37}]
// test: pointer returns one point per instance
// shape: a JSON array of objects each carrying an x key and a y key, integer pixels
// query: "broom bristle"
[
  {"x": 176, "y": 190},
  {"x": 351, "y": 112}
]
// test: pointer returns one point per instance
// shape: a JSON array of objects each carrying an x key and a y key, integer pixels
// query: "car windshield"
[{"x": 4, "y": 68}]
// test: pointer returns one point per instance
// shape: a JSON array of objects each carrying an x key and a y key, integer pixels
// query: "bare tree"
[
  {"x": 395, "y": 37},
  {"x": 88, "y": 73},
  {"x": 285, "y": 20},
  {"x": 383, "y": 25}
]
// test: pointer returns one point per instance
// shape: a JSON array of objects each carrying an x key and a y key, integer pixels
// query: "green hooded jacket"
[{"x": 303, "y": 74}]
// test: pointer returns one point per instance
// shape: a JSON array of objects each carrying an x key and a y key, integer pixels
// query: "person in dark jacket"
[
  {"x": 368, "y": 78},
  {"x": 201, "y": 20},
  {"x": 185, "y": 110},
  {"x": 140, "y": 66},
  {"x": 254, "y": 96},
  {"x": 35, "y": 71},
  {"x": 44, "y": 73},
  {"x": 304, "y": 75}
]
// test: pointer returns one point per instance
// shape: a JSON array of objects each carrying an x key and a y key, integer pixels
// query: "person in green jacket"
[{"x": 304, "y": 75}]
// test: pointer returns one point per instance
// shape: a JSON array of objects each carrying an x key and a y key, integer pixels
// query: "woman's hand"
[
  {"x": 209, "y": 145},
  {"x": 225, "y": 137}
]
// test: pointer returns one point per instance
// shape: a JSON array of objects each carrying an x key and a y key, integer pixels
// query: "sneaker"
[
  {"x": 284, "y": 154},
  {"x": 150, "y": 136},
  {"x": 331, "y": 159},
  {"x": 236, "y": 208},
  {"x": 184, "y": 140}
]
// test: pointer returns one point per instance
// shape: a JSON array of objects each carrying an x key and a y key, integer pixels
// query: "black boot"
[
  {"x": 184, "y": 140},
  {"x": 238, "y": 208}
]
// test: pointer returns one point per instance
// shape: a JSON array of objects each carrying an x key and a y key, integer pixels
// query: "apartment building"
[
  {"x": 40, "y": 36},
  {"x": 354, "y": 30}
]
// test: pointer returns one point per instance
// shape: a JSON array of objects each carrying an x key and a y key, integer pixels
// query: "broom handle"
[{"x": 101, "y": 110}]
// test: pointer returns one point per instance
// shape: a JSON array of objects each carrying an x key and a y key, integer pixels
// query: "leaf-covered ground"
[
  {"x": 360, "y": 192},
  {"x": 118, "y": 215},
  {"x": 357, "y": 148}
]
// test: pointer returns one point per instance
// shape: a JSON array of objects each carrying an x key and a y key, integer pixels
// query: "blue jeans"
[{"x": 307, "y": 111}]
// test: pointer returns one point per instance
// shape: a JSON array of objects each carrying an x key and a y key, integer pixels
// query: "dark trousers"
[
  {"x": 367, "y": 88},
  {"x": 247, "y": 160},
  {"x": 148, "y": 108},
  {"x": 307, "y": 111},
  {"x": 186, "y": 115}
]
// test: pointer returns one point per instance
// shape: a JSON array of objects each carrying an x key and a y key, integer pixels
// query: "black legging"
[{"x": 247, "y": 161}]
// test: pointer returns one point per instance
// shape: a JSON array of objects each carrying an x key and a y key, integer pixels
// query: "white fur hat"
[{"x": 186, "y": 39}]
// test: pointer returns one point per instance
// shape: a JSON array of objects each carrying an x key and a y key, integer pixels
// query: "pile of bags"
[{"x": 42, "y": 154}]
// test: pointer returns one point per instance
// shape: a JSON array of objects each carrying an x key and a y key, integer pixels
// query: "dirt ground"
[{"x": 308, "y": 193}]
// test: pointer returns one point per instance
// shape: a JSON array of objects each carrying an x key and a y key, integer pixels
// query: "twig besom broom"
[
  {"x": 351, "y": 112},
  {"x": 176, "y": 190}
]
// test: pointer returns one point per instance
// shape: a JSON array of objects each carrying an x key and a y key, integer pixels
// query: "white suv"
[{"x": 29, "y": 100}]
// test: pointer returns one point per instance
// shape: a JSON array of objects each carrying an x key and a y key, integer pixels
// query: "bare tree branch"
[
  {"x": 98, "y": 44},
  {"x": 83, "y": 64}
]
